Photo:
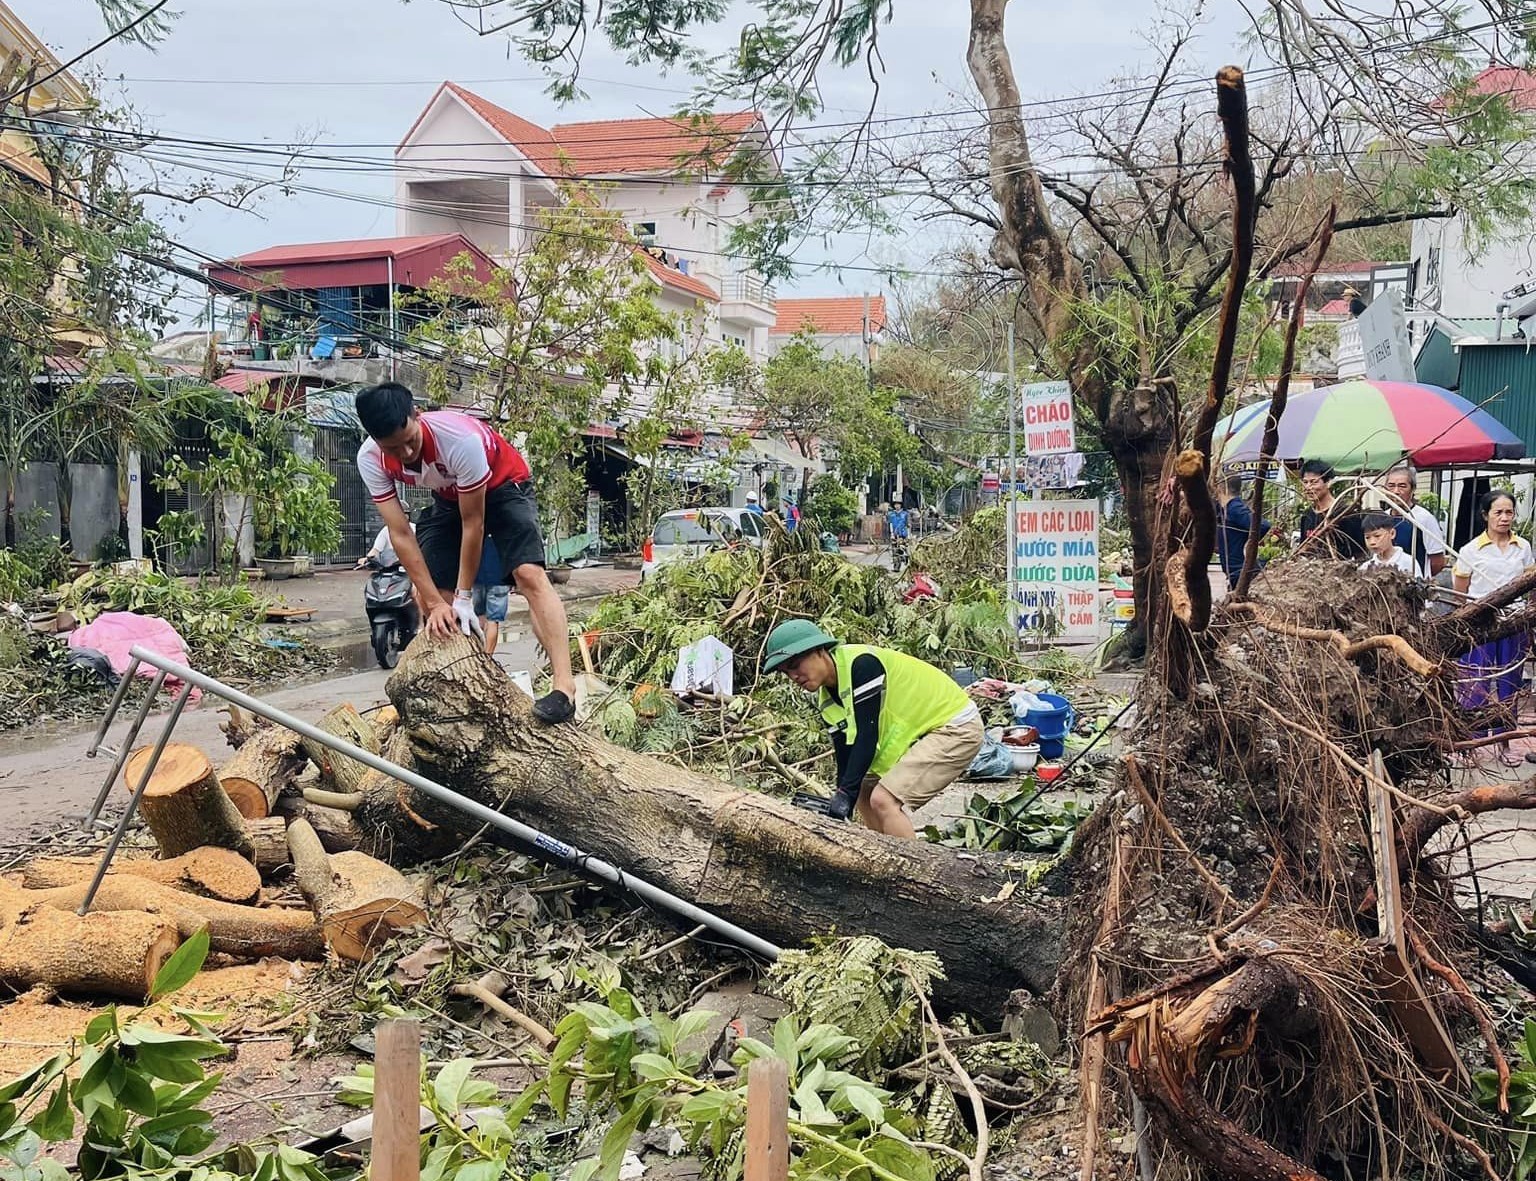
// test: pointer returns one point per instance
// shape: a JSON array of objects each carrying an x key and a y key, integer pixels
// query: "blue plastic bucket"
[{"x": 1053, "y": 722}]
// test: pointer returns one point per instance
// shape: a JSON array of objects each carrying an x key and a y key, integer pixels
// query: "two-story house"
[
  {"x": 471, "y": 167},
  {"x": 849, "y": 326}
]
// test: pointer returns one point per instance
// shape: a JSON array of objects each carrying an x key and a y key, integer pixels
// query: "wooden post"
[
  {"x": 767, "y": 1120},
  {"x": 396, "y": 1103}
]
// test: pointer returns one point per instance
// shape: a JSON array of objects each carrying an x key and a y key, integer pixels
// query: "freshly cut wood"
[
  {"x": 266, "y": 764},
  {"x": 338, "y": 831},
  {"x": 269, "y": 843},
  {"x": 185, "y": 806},
  {"x": 360, "y": 901},
  {"x": 214, "y": 873},
  {"x": 97, "y": 955},
  {"x": 338, "y": 772},
  {"x": 248, "y": 931},
  {"x": 782, "y": 872}
]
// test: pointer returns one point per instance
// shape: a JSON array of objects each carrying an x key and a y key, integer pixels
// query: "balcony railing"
[{"x": 747, "y": 289}]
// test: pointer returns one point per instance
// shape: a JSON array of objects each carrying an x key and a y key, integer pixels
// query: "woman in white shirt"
[{"x": 1493, "y": 672}]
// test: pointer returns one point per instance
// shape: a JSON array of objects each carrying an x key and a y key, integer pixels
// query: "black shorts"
[{"x": 511, "y": 523}]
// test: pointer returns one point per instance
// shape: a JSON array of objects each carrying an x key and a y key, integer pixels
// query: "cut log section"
[
  {"x": 214, "y": 873},
  {"x": 185, "y": 806},
  {"x": 782, "y": 872},
  {"x": 95, "y": 955},
  {"x": 250, "y": 932},
  {"x": 337, "y": 772},
  {"x": 338, "y": 831},
  {"x": 269, "y": 843},
  {"x": 360, "y": 901},
  {"x": 266, "y": 764},
  {"x": 390, "y": 816}
]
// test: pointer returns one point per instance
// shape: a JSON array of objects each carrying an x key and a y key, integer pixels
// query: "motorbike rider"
[{"x": 383, "y": 550}]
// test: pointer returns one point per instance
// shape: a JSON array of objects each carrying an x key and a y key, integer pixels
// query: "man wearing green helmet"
[{"x": 901, "y": 729}]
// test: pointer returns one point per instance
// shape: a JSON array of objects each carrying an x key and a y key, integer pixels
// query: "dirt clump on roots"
[{"x": 1231, "y": 970}]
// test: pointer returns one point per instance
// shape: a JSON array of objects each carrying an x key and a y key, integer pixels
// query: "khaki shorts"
[{"x": 933, "y": 762}]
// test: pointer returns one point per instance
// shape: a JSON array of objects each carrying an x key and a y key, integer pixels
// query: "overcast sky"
[{"x": 359, "y": 72}]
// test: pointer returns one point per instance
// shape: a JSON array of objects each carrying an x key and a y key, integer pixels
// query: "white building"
[
  {"x": 1460, "y": 279},
  {"x": 849, "y": 326},
  {"x": 469, "y": 166}
]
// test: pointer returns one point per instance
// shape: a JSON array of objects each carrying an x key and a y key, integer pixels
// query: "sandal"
[{"x": 1510, "y": 759}]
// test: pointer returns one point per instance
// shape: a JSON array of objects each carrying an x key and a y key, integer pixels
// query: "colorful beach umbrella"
[{"x": 1368, "y": 425}]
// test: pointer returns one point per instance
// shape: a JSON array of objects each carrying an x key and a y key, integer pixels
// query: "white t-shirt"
[
  {"x": 1398, "y": 559},
  {"x": 384, "y": 549},
  {"x": 458, "y": 454},
  {"x": 1489, "y": 567},
  {"x": 1429, "y": 528}
]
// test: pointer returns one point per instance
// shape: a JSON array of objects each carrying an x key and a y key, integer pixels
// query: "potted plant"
[{"x": 296, "y": 516}]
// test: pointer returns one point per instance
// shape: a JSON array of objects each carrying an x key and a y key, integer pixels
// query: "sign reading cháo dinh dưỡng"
[{"x": 1046, "y": 409}]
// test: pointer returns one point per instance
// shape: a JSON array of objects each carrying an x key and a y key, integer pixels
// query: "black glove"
[{"x": 840, "y": 806}]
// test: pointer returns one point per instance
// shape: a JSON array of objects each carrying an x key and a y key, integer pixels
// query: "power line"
[{"x": 79, "y": 57}]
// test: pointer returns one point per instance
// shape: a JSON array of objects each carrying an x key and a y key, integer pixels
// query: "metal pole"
[
  {"x": 393, "y": 323},
  {"x": 1013, "y": 475},
  {"x": 125, "y": 746},
  {"x": 553, "y": 847},
  {"x": 111, "y": 714},
  {"x": 138, "y": 794}
]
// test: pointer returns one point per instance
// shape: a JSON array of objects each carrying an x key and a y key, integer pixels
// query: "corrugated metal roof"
[
  {"x": 703, "y": 143},
  {"x": 410, "y": 262},
  {"x": 1502, "y": 380}
]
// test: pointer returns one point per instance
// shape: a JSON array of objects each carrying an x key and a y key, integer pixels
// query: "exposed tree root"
[{"x": 1349, "y": 649}]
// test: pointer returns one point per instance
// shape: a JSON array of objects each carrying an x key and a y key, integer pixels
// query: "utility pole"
[{"x": 1013, "y": 474}]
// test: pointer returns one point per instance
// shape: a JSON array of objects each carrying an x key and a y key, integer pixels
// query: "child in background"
[{"x": 1381, "y": 540}]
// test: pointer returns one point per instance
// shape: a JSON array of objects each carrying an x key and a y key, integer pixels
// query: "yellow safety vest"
[{"x": 918, "y": 700}]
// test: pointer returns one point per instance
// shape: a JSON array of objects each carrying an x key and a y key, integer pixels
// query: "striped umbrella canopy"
[{"x": 1369, "y": 425}]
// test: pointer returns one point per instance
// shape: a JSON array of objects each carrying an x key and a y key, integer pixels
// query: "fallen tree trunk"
[
  {"x": 338, "y": 831},
  {"x": 185, "y": 806},
  {"x": 338, "y": 772},
  {"x": 247, "y": 931},
  {"x": 95, "y": 955},
  {"x": 390, "y": 818},
  {"x": 221, "y": 874},
  {"x": 360, "y": 901},
  {"x": 265, "y": 765},
  {"x": 782, "y": 872}
]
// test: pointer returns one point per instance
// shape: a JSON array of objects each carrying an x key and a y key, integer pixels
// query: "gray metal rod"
[
  {"x": 138, "y": 794},
  {"x": 556, "y": 849},
  {"x": 117, "y": 700},
  {"x": 125, "y": 746}
]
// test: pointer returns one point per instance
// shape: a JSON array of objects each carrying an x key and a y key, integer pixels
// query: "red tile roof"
[
  {"x": 701, "y": 143},
  {"x": 674, "y": 278},
  {"x": 528, "y": 138},
  {"x": 1334, "y": 307},
  {"x": 1519, "y": 85},
  {"x": 839, "y": 316}
]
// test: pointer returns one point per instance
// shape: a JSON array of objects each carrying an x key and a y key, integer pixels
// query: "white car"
[{"x": 688, "y": 533}]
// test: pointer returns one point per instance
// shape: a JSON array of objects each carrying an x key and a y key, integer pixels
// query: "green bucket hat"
[{"x": 793, "y": 637}]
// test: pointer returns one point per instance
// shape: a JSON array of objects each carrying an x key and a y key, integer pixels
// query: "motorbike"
[{"x": 393, "y": 618}]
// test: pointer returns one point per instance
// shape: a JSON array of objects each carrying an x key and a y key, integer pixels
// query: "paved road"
[{"x": 48, "y": 780}]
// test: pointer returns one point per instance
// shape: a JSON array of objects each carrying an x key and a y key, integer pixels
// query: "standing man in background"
[
  {"x": 482, "y": 491},
  {"x": 1418, "y": 533},
  {"x": 1236, "y": 519}
]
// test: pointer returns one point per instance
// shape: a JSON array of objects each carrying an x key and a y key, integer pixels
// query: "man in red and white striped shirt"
[{"x": 482, "y": 491}]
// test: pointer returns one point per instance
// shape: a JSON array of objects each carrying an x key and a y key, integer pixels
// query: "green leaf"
[
  {"x": 481, "y": 1170},
  {"x": 520, "y": 1110},
  {"x": 652, "y": 1066},
  {"x": 174, "y": 1122},
  {"x": 449, "y": 1082},
  {"x": 168, "y": 1065},
  {"x": 583, "y": 1171},
  {"x": 176, "y": 1045},
  {"x": 24, "y": 1148},
  {"x": 1530, "y": 1042},
  {"x": 691, "y": 1024},
  {"x": 560, "y": 1092},
  {"x": 785, "y": 1039},
  {"x": 616, "y": 1142},
  {"x": 135, "y": 1092},
  {"x": 185, "y": 963},
  {"x": 25, "y": 1082},
  {"x": 101, "y": 1026},
  {"x": 57, "y": 1120},
  {"x": 706, "y": 1107},
  {"x": 866, "y": 1103}
]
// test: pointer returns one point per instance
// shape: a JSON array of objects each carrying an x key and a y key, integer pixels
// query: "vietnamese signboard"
[
  {"x": 1056, "y": 568},
  {"x": 1384, "y": 338},
  {"x": 1046, "y": 410}
]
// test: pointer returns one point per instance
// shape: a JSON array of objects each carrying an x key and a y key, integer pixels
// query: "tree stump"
[
  {"x": 781, "y": 872},
  {"x": 247, "y": 931},
  {"x": 338, "y": 772},
  {"x": 221, "y": 874},
  {"x": 185, "y": 806},
  {"x": 101, "y": 954},
  {"x": 360, "y": 901},
  {"x": 265, "y": 765}
]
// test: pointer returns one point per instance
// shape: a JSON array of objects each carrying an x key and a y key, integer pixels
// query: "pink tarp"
[{"x": 115, "y": 632}]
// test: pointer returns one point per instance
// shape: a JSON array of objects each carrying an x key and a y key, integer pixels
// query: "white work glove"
[{"x": 464, "y": 615}]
